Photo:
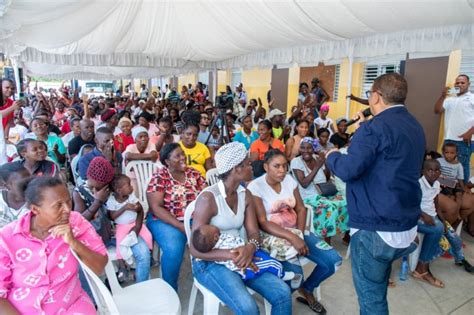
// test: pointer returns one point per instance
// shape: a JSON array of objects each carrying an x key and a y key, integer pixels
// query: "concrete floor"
[{"x": 409, "y": 297}]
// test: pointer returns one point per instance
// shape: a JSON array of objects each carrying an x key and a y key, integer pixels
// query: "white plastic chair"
[
  {"x": 143, "y": 171},
  {"x": 212, "y": 176},
  {"x": 211, "y": 302},
  {"x": 74, "y": 171},
  {"x": 153, "y": 296},
  {"x": 103, "y": 299}
]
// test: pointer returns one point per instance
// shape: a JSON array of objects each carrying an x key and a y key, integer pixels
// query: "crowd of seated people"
[{"x": 271, "y": 174}]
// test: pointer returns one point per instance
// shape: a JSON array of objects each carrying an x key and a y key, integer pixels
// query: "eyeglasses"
[{"x": 368, "y": 93}]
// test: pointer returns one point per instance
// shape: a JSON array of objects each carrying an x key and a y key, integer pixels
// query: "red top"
[
  {"x": 8, "y": 117},
  {"x": 123, "y": 139}
]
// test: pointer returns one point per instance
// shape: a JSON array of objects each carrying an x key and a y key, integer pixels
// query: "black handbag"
[{"x": 327, "y": 189}]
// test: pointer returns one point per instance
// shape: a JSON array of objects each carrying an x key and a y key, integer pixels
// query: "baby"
[{"x": 208, "y": 237}]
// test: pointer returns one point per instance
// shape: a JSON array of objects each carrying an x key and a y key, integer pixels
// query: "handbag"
[
  {"x": 327, "y": 189},
  {"x": 280, "y": 248}
]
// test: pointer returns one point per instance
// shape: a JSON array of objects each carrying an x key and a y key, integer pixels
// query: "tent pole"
[
  {"x": 16, "y": 71},
  {"x": 214, "y": 84},
  {"x": 349, "y": 86}
]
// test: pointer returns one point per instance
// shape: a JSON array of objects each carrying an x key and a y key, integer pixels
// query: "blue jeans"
[
  {"x": 430, "y": 249},
  {"x": 326, "y": 258},
  {"x": 456, "y": 245},
  {"x": 172, "y": 243},
  {"x": 142, "y": 256},
  {"x": 229, "y": 287},
  {"x": 371, "y": 266},
  {"x": 464, "y": 156}
]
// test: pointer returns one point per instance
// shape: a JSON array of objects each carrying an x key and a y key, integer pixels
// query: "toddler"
[
  {"x": 208, "y": 237},
  {"x": 127, "y": 212}
]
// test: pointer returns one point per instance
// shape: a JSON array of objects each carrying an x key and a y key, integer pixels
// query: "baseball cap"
[{"x": 275, "y": 112}]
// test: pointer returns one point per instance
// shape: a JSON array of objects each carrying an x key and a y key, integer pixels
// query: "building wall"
[
  {"x": 293, "y": 88},
  {"x": 185, "y": 80},
  {"x": 324, "y": 73},
  {"x": 257, "y": 83}
]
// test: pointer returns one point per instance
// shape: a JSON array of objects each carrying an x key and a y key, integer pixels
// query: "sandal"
[
  {"x": 315, "y": 307},
  {"x": 431, "y": 280}
]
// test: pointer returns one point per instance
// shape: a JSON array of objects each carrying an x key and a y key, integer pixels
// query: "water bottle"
[{"x": 404, "y": 269}]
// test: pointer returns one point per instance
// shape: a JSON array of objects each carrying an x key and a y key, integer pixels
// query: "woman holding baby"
[{"x": 230, "y": 207}]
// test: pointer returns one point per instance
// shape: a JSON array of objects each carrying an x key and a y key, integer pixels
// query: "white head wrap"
[
  {"x": 229, "y": 156},
  {"x": 138, "y": 130}
]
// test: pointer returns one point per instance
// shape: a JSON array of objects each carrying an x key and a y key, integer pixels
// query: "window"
[
  {"x": 203, "y": 77},
  {"x": 371, "y": 72},
  {"x": 335, "y": 93},
  {"x": 467, "y": 67}
]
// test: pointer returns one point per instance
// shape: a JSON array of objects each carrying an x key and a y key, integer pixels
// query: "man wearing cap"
[
  {"x": 341, "y": 137},
  {"x": 381, "y": 169},
  {"x": 279, "y": 130}
]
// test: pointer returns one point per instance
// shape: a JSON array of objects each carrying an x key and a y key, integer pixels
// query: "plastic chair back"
[
  {"x": 143, "y": 172},
  {"x": 104, "y": 300},
  {"x": 212, "y": 176}
]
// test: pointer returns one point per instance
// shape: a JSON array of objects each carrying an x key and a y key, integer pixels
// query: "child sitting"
[
  {"x": 430, "y": 188},
  {"x": 208, "y": 237},
  {"x": 134, "y": 240},
  {"x": 453, "y": 187}
]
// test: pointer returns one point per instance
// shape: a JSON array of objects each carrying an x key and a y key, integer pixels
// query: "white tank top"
[{"x": 227, "y": 220}]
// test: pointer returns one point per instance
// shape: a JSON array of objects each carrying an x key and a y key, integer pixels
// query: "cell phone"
[
  {"x": 448, "y": 182},
  {"x": 454, "y": 91}
]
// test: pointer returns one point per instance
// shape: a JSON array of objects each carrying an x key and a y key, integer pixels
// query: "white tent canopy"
[{"x": 144, "y": 38}]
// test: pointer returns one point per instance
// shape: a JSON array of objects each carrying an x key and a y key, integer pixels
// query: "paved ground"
[{"x": 409, "y": 297}]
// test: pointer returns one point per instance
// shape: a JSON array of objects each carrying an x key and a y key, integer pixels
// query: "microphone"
[{"x": 366, "y": 113}]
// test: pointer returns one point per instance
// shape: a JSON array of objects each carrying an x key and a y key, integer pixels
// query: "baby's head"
[
  {"x": 121, "y": 186},
  {"x": 205, "y": 238}
]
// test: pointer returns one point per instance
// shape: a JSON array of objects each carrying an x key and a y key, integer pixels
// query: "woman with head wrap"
[
  {"x": 89, "y": 197},
  {"x": 330, "y": 211},
  {"x": 229, "y": 206},
  {"x": 125, "y": 138},
  {"x": 109, "y": 119},
  {"x": 169, "y": 192},
  {"x": 141, "y": 150}
]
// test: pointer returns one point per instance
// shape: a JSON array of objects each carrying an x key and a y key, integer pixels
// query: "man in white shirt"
[{"x": 459, "y": 120}]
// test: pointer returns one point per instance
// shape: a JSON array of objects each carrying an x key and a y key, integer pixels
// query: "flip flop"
[
  {"x": 315, "y": 307},
  {"x": 432, "y": 280}
]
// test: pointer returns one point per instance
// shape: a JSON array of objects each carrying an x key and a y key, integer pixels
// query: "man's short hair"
[
  {"x": 464, "y": 75},
  {"x": 103, "y": 131},
  {"x": 392, "y": 87}
]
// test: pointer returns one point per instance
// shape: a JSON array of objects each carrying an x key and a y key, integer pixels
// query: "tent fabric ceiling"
[{"x": 170, "y": 37}]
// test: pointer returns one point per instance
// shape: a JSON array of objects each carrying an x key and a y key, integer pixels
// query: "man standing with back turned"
[{"x": 381, "y": 170}]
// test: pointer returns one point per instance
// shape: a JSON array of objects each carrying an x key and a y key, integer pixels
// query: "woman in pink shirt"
[{"x": 38, "y": 272}]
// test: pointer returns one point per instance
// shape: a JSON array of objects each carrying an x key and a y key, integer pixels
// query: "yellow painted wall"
[
  {"x": 222, "y": 80},
  {"x": 293, "y": 88},
  {"x": 257, "y": 83},
  {"x": 185, "y": 80}
]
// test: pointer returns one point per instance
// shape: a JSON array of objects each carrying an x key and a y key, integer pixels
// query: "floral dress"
[{"x": 330, "y": 213}]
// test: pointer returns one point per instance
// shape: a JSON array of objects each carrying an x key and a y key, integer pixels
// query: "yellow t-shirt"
[{"x": 196, "y": 157}]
